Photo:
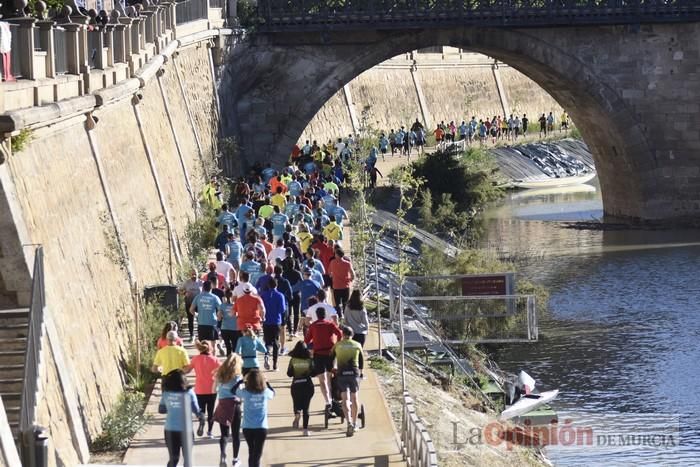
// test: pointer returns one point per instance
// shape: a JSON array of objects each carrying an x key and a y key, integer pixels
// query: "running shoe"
[
  {"x": 210, "y": 435},
  {"x": 329, "y": 411},
  {"x": 236, "y": 463},
  {"x": 295, "y": 423},
  {"x": 283, "y": 351},
  {"x": 350, "y": 431},
  {"x": 222, "y": 461},
  {"x": 200, "y": 429},
  {"x": 267, "y": 362},
  {"x": 306, "y": 433}
]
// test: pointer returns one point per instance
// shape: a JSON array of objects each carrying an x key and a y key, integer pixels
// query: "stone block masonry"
[{"x": 63, "y": 204}]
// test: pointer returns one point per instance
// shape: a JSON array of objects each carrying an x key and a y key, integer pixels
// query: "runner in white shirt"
[
  {"x": 279, "y": 252},
  {"x": 331, "y": 312},
  {"x": 243, "y": 285},
  {"x": 225, "y": 268}
]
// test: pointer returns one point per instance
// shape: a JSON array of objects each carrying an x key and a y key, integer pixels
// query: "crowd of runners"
[
  {"x": 281, "y": 285},
  {"x": 496, "y": 129}
]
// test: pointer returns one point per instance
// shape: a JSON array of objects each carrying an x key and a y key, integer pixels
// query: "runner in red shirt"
[
  {"x": 325, "y": 253},
  {"x": 323, "y": 335}
]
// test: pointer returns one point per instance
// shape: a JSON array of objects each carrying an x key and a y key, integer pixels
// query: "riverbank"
[{"x": 441, "y": 399}]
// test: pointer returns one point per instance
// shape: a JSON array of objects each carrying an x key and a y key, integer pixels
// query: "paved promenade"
[{"x": 376, "y": 445}]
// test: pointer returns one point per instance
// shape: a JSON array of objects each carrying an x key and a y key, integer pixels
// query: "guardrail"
[
  {"x": 33, "y": 356},
  {"x": 191, "y": 10},
  {"x": 283, "y": 15},
  {"x": 416, "y": 444}
]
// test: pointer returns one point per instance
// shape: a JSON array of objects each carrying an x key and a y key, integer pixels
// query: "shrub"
[
  {"x": 126, "y": 419},
  {"x": 20, "y": 141}
]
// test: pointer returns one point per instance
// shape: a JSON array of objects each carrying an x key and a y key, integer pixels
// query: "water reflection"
[{"x": 625, "y": 319}]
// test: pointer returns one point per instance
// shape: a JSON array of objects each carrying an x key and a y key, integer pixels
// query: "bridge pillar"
[{"x": 632, "y": 91}]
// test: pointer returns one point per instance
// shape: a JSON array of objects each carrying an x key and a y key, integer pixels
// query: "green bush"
[
  {"x": 126, "y": 419},
  {"x": 200, "y": 235},
  {"x": 152, "y": 319},
  {"x": 247, "y": 13}
]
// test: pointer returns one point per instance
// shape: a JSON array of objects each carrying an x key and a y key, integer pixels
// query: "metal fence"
[
  {"x": 60, "y": 50},
  {"x": 279, "y": 15},
  {"x": 417, "y": 446},
  {"x": 191, "y": 10},
  {"x": 38, "y": 46},
  {"x": 95, "y": 44},
  {"x": 34, "y": 346},
  {"x": 479, "y": 319}
]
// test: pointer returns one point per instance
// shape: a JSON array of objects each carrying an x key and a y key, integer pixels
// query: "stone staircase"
[{"x": 14, "y": 326}]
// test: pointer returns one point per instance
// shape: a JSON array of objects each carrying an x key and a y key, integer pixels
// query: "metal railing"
[
  {"x": 33, "y": 355},
  {"x": 60, "y": 51},
  {"x": 282, "y": 15},
  {"x": 191, "y": 10},
  {"x": 218, "y": 4},
  {"x": 416, "y": 444},
  {"x": 95, "y": 39}
]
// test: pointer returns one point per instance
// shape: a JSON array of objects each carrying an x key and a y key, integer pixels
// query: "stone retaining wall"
[{"x": 65, "y": 207}]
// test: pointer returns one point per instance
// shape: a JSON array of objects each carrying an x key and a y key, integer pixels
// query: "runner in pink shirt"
[{"x": 205, "y": 366}]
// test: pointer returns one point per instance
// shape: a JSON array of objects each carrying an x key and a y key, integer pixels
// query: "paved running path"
[{"x": 376, "y": 445}]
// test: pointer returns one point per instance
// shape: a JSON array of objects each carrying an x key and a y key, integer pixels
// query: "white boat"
[
  {"x": 528, "y": 403},
  {"x": 554, "y": 182}
]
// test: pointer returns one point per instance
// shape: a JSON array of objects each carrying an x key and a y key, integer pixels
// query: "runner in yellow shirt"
[
  {"x": 333, "y": 231},
  {"x": 171, "y": 357}
]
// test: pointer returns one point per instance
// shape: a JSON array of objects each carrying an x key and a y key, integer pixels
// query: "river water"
[{"x": 622, "y": 339}]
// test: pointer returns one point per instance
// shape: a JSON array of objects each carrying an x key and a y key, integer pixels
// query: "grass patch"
[{"x": 379, "y": 364}]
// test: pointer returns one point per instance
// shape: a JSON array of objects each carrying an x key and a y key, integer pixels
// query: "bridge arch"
[{"x": 591, "y": 72}]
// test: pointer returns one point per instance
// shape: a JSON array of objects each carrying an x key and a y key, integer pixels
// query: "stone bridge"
[{"x": 632, "y": 88}]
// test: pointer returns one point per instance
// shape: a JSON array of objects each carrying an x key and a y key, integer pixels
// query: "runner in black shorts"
[
  {"x": 207, "y": 333},
  {"x": 348, "y": 354}
]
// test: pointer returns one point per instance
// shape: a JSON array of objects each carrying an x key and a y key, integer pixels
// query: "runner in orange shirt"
[{"x": 249, "y": 310}]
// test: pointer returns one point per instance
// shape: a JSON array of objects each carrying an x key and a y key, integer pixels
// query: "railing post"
[
  {"x": 123, "y": 37},
  {"x": 25, "y": 40},
  {"x": 148, "y": 26},
  {"x": 48, "y": 43},
  {"x": 108, "y": 34},
  {"x": 82, "y": 21},
  {"x": 72, "y": 47},
  {"x": 135, "y": 35}
]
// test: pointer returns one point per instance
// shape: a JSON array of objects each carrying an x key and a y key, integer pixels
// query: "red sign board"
[{"x": 497, "y": 284}]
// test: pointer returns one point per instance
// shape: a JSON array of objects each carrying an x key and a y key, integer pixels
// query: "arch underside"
[{"x": 309, "y": 70}]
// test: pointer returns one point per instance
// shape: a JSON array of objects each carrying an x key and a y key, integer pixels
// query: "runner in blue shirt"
[
  {"x": 248, "y": 347},
  {"x": 229, "y": 323},
  {"x": 279, "y": 222},
  {"x": 267, "y": 173},
  {"x": 233, "y": 251},
  {"x": 226, "y": 218},
  {"x": 307, "y": 288},
  {"x": 206, "y": 305},
  {"x": 175, "y": 392},
  {"x": 255, "y": 396},
  {"x": 294, "y": 187},
  {"x": 275, "y": 309},
  {"x": 242, "y": 211}
]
